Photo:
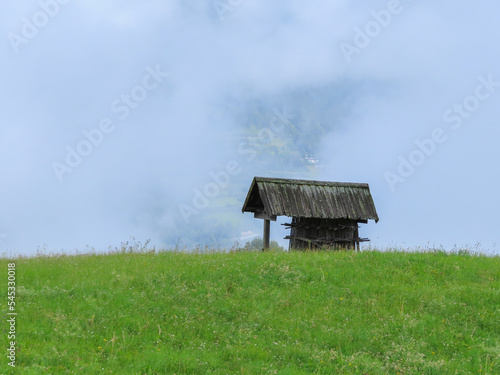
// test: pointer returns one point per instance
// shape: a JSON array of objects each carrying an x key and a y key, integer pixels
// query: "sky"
[{"x": 125, "y": 121}]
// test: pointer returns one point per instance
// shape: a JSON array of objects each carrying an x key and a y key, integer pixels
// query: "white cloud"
[{"x": 397, "y": 88}]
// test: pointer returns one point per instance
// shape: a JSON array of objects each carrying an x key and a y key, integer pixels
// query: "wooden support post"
[
  {"x": 267, "y": 230},
  {"x": 357, "y": 238}
]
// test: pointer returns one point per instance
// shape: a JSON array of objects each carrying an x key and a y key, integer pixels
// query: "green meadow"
[{"x": 323, "y": 312}]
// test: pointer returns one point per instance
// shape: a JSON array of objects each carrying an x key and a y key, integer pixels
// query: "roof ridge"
[{"x": 310, "y": 182}]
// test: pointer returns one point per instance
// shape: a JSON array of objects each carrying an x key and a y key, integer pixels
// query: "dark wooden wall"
[{"x": 311, "y": 233}]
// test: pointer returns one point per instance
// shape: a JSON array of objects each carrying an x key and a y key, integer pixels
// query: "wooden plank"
[{"x": 263, "y": 215}]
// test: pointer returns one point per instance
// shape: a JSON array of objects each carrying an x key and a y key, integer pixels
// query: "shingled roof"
[{"x": 310, "y": 199}]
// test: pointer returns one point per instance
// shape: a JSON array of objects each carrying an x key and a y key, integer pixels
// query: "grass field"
[{"x": 256, "y": 313}]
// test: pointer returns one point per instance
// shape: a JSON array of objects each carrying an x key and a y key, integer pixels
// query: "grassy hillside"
[{"x": 257, "y": 313}]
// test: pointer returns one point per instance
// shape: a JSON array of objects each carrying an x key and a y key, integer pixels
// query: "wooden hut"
[{"x": 323, "y": 213}]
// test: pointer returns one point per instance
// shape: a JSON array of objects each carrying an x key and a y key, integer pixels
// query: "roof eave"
[{"x": 254, "y": 181}]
